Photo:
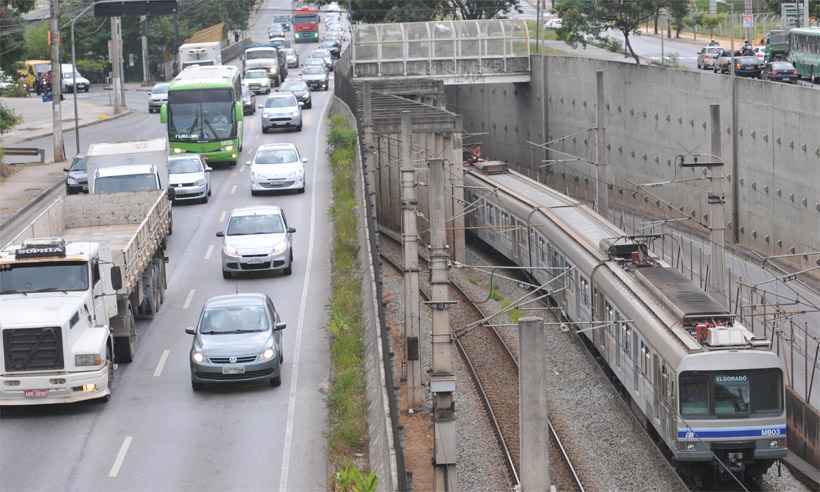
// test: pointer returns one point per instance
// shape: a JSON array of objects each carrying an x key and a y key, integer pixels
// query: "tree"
[
  {"x": 584, "y": 18},
  {"x": 11, "y": 31},
  {"x": 377, "y": 11},
  {"x": 678, "y": 10},
  {"x": 482, "y": 9},
  {"x": 36, "y": 41}
]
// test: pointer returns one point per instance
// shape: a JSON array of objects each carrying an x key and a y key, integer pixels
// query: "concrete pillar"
[
  {"x": 443, "y": 381},
  {"x": 117, "y": 83},
  {"x": 532, "y": 408},
  {"x": 457, "y": 242},
  {"x": 602, "y": 175},
  {"x": 58, "y": 145},
  {"x": 410, "y": 329},
  {"x": 716, "y": 201}
]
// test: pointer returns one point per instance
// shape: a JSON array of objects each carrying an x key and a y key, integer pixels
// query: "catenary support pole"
[
  {"x": 532, "y": 407},
  {"x": 602, "y": 176},
  {"x": 412, "y": 354},
  {"x": 146, "y": 76},
  {"x": 116, "y": 64},
  {"x": 56, "y": 84},
  {"x": 442, "y": 381},
  {"x": 716, "y": 202}
]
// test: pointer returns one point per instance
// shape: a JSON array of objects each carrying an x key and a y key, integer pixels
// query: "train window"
[
  {"x": 643, "y": 359},
  {"x": 627, "y": 335},
  {"x": 584, "y": 288},
  {"x": 731, "y": 394}
]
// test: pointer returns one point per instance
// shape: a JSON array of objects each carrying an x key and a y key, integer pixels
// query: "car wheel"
[
  {"x": 309, "y": 105},
  {"x": 289, "y": 269},
  {"x": 205, "y": 198},
  {"x": 226, "y": 274},
  {"x": 196, "y": 386},
  {"x": 276, "y": 381},
  {"x": 301, "y": 190},
  {"x": 299, "y": 128}
]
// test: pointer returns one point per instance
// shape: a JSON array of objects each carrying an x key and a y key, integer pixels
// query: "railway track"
[{"x": 494, "y": 371}]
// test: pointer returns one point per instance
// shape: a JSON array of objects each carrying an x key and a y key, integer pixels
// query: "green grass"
[
  {"x": 546, "y": 34},
  {"x": 347, "y": 398}
]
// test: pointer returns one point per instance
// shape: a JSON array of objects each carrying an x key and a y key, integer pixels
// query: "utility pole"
[
  {"x": 146, "y": 77},
  {"x": 409, "y": 236},
  {"x": 116, "y": 64},
  {"x": 443, "y": 380},
  {"x": 532, "y": 407},
  {"x": 56, "y": 84},
  {"x": 601, "y": 174}
]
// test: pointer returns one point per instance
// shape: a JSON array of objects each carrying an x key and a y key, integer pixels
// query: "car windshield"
[
  {"x": 275, "y": 156},
  {"x": 290, "y": 52},
  {"x": 78, "y": 164},
  {"x": 322, "y": 53},
  {"x": 245, "y": 225},
  {"x": 280, "y": 102},
  {"x": 128, "y": 182},
  {"x": 260, "y": 54},
  {"x": 220, "y": 320},
  {"x": 294, "y": 86},
  {"x": 184, "y": 166},
  {"x": 731, "y": 394},
  {"x": 43, "y": 277},
  {"x": 256, "y": 74},
  {"x": 160, "y": 89},
  {"x": 313, "y": 69},
  {"x": 201, "y": 115},
  {"x": 782, "y": 66}
]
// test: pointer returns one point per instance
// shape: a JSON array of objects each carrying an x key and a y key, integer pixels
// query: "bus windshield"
[
  {"x": 731, "y": 394},
  {"x": 201, "y": 115}
]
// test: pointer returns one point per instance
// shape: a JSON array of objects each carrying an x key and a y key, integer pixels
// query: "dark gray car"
[
  {"x": 237, "y": 338},
  {"x": 316, "y": 77},
  {"x": 76, "y": 177}
]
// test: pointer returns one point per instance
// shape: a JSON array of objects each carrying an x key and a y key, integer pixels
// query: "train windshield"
[{"x": 731, "y": 394}]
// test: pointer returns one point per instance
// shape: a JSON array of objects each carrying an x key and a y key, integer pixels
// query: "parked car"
[
  {"x": 292, "y": 57},
  {"x": 781, "y": 71},
  {"x": 707, "y": 57},
  {"x": 256, "y": 239},
  {"x": 277, "y": 167},
  {"x": 237, "y": 338},
  {"x": 76, "y": 176},
  {"x": 157, "y": 97},
  {"x": 248, "y": 100},
  {"x": 71, "y": 76},
  {"x": 299, "y": 89},
  {"x": 258, "y": 81},
  {"x": 315, "y": 76},
  {"x": 281, "y": 110},
  {"x": 189, "y": 177},
  {"x": 553, "y": 23}
]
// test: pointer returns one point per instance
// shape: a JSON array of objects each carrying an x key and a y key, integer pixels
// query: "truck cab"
[
  {"x": 56, "y": 299},
  {"x": 267, "y": 58}
]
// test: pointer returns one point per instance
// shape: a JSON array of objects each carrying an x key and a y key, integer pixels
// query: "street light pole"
[{"x": 74, "y": 76}]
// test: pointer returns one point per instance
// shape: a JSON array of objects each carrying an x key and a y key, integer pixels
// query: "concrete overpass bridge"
[{"x": 455, "y": 52}]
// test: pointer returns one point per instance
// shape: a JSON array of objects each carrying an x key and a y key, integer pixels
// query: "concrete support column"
[
  {"x": 532, "y": 407},
  {"x": 410, "y": 330},
  {"x": 117, "y": 82},
  {"x": 602, "y": 175},
  {"x": 443, "y": 381},
  {"x": 457, "y": 242},
  {"x": 58, "y": 144},
  {"x": 716, "y": 201}
]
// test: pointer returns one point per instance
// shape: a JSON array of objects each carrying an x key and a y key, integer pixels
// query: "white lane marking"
[
  {"x": 294, "y": 365},
  {"x": 189, "y": 299},
  {"x": 115, "y": 468},
  {"x": 222, "y": 216},
  {"x": 233, "y": 189},
  {"x": 161, "y": 364},
  {"x": 241, "y": 169},
  {"x": 208, "y": 253}
]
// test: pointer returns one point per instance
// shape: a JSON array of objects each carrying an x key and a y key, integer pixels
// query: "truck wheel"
[
  {"x": 124, "y": 347},
  {"x": 171, "y": 226}
]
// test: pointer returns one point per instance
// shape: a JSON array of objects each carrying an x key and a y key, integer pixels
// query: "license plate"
[
  {"x": 233, "y": 370},
  {"x": 35, "y": 393},
  {"x": 254, "y": 261}
]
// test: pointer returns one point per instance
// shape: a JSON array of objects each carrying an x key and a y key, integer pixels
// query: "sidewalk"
[
  {"x": 37, "y": 117},
  {"x": 26, "y": 186}
]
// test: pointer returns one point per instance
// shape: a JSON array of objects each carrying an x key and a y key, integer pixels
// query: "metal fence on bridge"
[{"x": 460, "y": 51}]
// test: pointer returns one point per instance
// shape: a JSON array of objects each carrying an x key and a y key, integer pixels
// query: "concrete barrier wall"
[{"x": 653, "y": 114}]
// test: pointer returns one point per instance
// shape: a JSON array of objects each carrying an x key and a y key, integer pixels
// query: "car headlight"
[
  {"x": 268, "y": 354},
  {"x": 88, "y": 360},
  {"x": 197, "y": 357},
  {"x": 177, "y": 150},
  {"x": 230, "y": 251},
  {"x": 280, "y": 248},
  {"x": 199, "y": 182},
  {"x": 71, "y": 180},
  {"x": 228, "y": 148}
]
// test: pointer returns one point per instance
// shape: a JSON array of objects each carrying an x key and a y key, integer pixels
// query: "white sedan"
[
  {"x": 189, "y": 177},
  {"x": 277, "y": 167}
]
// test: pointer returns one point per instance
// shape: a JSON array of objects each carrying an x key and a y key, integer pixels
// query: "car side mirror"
[
  {"x": 220, "y": 234},
  {"x": 208, "y": 169},
  {"x": 291, "y": 230},
  {"x": 304, "y": 160},
  {"x": 190, "y": 331},
  {"x": 172, "y": 193},
  {"x": 116, "y": 278},
  {"x": 65, "y": 169},
  {"x": 280, "y": 326}
]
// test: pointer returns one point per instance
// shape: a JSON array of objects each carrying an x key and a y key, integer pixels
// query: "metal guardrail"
[
  {"x": 468, "y": 48},
  {"x": 25, "y": 152}
]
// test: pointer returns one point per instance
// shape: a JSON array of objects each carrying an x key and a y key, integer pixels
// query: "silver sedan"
[
  {"x": 257, "y": 239},
  {"x": 281, "y": 111}
]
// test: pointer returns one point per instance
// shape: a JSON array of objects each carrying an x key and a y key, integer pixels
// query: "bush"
[
  {"x": 17, "y": 89},
  {"x": 96, "y": 71},
  {"x": 8, "y": 118}
]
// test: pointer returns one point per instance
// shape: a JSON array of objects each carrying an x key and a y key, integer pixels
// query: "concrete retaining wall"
[{"x": 652, "y": 115}]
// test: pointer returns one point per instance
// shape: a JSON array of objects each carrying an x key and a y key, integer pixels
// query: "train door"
[
  {"x": 635, "y": 367},
  {"x": 599, "y": 313},
  {"x": 572, "y": 297},
  {"x": 656, "y": 386}
]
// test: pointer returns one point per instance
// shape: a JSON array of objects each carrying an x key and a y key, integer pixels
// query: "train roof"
[{"x": 680, "y": 293}]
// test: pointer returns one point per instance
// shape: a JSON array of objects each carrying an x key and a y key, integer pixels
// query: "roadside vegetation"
[{"x": 347, "y": 398}]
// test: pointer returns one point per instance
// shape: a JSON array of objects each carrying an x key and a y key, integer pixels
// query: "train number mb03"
[{"x": 773, "y": 432}]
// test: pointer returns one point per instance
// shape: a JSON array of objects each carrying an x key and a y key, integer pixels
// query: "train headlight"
[
  {"x": 777, "y": 443},
  {"x": 686, "y": 446}
]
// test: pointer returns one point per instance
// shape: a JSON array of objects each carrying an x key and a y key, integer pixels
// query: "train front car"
[{"x": 731, "y": 414}]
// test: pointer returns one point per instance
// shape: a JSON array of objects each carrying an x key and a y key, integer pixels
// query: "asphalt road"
[{"x": 155, "y": 433}]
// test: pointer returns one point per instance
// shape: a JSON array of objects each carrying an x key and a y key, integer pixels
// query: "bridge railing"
[{"x": 441, "y": 48}]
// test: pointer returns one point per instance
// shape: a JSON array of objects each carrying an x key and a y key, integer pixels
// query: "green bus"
[
  {"x": 804, "y": 51},
  {"x": 777, "y": 45},
  {"x": 204, "y": 113}
]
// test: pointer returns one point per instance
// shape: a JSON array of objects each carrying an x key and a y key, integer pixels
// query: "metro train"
[{"x": 710, "y": 388}]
